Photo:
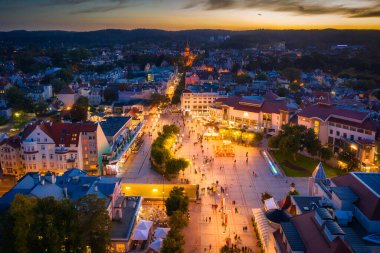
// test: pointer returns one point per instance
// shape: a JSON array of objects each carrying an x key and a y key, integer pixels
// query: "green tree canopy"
[
  {"x": 292, "y": 74},
  {"x": 48, "y": 225},
  {"x": 177, "y": 201},
  {"x": 80, "y": 109}
]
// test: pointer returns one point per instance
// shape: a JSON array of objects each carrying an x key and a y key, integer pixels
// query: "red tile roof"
[
  {"x": 250, "y": 105},
  {"x": 67, "y": 90},
  {"x": 14, "y": 142},
  {"x": 62, "y": 133},
  {"x": 367, "y": 124},
  {"x": 324, "y": 112},
  {"x": 314, "y": 238},
  {"x": 368, "y": 203}
]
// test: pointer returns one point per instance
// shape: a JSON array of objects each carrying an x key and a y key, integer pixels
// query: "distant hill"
[{"x": 238, "y": 39}]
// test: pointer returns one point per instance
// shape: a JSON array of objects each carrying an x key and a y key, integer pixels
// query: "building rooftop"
[
  {"x": 122, "y": 229},
  {"x": 292, "y": 236},
  {"x": 325, "y": 111},
  {"x": 112, "y": 125},
  {"x": 371, "y": 180},
  {"x": 76, "y": 181},
  {"x": 366, "y": 186},
  {"x": 345, "y": 193},
  {"x": 306, "y": 203}
]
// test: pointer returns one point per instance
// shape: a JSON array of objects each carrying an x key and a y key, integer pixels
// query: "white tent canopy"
[
  {"x": 161, "y": 232},
  {"x": 270, "y": 204},
  {"x": 140, "y": 235},
  {"x": 156, "y": 245},
  {"x": 262, "y": 225},
  {"x": 144, "y": 225}
]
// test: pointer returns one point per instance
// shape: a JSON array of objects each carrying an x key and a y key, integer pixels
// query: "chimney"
[{"x": 65, "y": 191}]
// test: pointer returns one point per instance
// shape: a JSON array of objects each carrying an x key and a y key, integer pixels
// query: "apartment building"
[
  {"x": 10, "y": 156},
  {"x": 260, "y": 114},
  {"x": 341, "y": 127},
  {"x": 57, "y": 147},
  {"x": 197, "y": 99}
]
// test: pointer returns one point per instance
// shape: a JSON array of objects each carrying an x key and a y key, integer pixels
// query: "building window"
[
  {"x": 316, "y": 127},
  {"x": 344, "y": 135},
  {"x": 42, "y": 147},
  {"x": 352, "y": 137},
  {"x": 337, "y": 133},
  {"x": 331, "y": 131}
]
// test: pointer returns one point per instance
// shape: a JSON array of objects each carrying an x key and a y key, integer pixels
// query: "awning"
[
  {"x": 262, "y": 225},
  {"x": 144, "y": 225},
  {"x": 156, "y": 245},
  {"x": 270, "y": 204},
  {"x": 161, "y": 232},
  {"x": 140, "y": 235}
]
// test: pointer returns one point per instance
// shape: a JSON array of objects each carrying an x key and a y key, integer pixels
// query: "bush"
[{"x": 265, "y": 196}]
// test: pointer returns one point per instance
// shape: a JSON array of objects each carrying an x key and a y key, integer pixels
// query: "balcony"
[{"x": 61, "y": 150}]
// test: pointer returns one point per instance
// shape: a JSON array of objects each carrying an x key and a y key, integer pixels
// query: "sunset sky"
[{"x": 83, "y": 15}]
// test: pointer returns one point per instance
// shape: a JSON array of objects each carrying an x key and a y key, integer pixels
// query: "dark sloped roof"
[
  {"x": 66, "y": 90},
  {"x": 365, "y": 185},
  {"x": 324, "y": 111},
  {"x": 372, "y": 180},
  {"x": 324, "y": 214},
  {"x": 13, "y": 141},
  {"x": 251, "y": 105},
  {"x": 345, "y": 193},
  {"x": 334, "y": 228},
  {"x": 113, "y": 124},
  {"x": 293, "y": 237}
]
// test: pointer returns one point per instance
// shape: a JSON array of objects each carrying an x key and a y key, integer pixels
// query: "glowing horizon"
[{"x": 172, "y": 15}]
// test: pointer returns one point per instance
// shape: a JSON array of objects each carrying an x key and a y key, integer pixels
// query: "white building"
[
  {"x": 339, "y": 127},
  {"x": 262, "y": 115},
  {"x": 198, "y": 103},
  {"x": 60, "y": 146}
]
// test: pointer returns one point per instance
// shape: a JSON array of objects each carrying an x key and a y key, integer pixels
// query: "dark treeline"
[{"x": 238, "y": 39}]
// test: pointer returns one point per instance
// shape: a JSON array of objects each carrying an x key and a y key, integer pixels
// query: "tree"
[
  {"x": 290, "y": 145},
  {"x": 282, "y": 92},
  {"x": 22, "y": 217},
  {"x": 177, "y": 201},
  {"x": 174, "y": 242},
  {"x": 158, "y": 99},
  {"x": 170, "y": 129},
  {"x": 48, "y": 225},
  {"x": 110, "y": 94},
  {"x": 311, "y": 142},
  {"x": 243, "y": 79},
  {"x": 325, "y": 154},
  {"x": 40, "y": 108},
  {"x": 57, "y": 85},
  {"x": 178, "y": 220},
  {"x": 65, "y": 75},
  {"x": 80, "y": 109},
  {"x": 94, "y": 223},
  {"x": 294, "y": 87},
  {"x": 174, "y": 166},
  {"x": 292, "y": 74},
  {"x": 261, "y": 77},
  {"x": 17, "y": 99}
]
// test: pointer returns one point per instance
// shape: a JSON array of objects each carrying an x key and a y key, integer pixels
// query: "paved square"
[{"x": 240, "y": 185}]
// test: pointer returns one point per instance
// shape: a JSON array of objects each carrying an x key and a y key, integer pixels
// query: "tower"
[{"x": 188, "y": 56}]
